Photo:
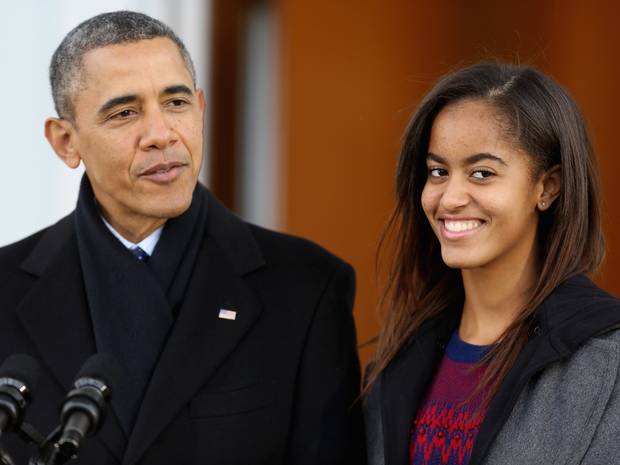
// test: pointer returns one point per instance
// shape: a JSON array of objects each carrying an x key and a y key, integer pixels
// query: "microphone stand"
[
  {"x": 49, "y": 453},
  {"x": 5, "y": 459},
  {"x": 29, "y": 434}
]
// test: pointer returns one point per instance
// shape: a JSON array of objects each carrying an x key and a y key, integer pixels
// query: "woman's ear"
[
  {"x": 60, "y": 133},
  {"x": 551, "y": 183}
]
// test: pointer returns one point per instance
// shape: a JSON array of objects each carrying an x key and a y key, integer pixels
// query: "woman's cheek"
[{"x": 429, "y": 199}]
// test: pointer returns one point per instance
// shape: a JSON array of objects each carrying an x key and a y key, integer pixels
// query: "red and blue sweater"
[{"x": 447, "y": 422}]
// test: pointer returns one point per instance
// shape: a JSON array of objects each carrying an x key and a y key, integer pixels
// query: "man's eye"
[
  {"x": 482, "y": 174},
  {"x": 437, "y": 172},
  {"x": 123, "y": 114},
  {"x": 177, "y": 103}
]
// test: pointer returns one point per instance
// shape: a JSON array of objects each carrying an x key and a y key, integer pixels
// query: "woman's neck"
[{"x": 494, "y": 296}]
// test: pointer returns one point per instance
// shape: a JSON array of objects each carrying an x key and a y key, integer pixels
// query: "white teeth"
[{"x": 460, "y": 226}]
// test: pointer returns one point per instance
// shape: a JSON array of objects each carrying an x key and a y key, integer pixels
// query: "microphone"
[
  {"x": 83, "y": 411},
  {"x": 19, "y": 375}
]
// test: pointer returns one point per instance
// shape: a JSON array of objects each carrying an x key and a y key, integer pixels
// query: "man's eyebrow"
[
  {"x": 177, "y": 89},
  {"x": 469, "y": 160},
  {"x": 123, "y": 99},
  {"x": 116, "y": 101}
]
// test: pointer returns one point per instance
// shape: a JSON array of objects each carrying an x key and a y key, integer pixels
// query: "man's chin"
[
  {"x": 167, "y": 205},
  {"x": 168, "y": 208},
  {"x": 172, "y": 211}
]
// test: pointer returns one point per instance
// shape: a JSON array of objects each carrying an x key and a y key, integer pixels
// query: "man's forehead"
[
  {"x": 142, "y": 44},
  {"x": 151, "y": 62},
  {"x": 130, "y": 57}
]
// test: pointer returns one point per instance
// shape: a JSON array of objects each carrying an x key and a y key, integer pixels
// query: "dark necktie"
[{"x": 140, "y": 254}]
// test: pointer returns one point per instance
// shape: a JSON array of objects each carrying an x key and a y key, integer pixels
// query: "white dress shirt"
[{"x": 147, "y": 244}]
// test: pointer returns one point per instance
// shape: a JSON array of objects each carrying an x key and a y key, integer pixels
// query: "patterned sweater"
[{"x": 447, "y": 422}]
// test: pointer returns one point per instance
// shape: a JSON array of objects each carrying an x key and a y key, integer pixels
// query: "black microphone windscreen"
[
  {"x": 23, "y": 368},
  {"x": 103, "y": 367}
]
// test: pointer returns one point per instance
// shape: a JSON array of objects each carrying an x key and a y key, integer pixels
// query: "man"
[{"x": 238, "y": 343}]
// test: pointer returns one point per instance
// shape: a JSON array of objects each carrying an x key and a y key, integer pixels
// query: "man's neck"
[
  {"x": 147, "y": 244},
  {"x": 133, "y": 231}
]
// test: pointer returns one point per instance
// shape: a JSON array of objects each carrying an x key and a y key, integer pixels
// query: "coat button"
[{"x": 537, "y": 331}]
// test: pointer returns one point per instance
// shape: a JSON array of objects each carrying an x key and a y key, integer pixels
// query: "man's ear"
[
  {"x": 551, "y": 183},
  {"x": 200, "y": 94},
  {"x": 60, "y": 133}
]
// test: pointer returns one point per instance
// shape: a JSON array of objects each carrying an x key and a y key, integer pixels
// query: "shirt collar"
[{"x": 147, "y": 244}]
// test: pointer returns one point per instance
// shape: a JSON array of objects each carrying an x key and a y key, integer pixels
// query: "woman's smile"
[{"x": 460, "y": 229}]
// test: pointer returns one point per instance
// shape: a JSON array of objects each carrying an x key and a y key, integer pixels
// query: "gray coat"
[
  {"x": 559, "y": 404},
  {"x": 568, "y": 415}
]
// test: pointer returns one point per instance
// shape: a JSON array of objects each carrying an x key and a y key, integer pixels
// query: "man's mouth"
[
  {"x": 161, "y": 168},
  {"x": 163, "y": 173}
]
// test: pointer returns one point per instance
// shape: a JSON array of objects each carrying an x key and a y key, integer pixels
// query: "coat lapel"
[
  {"x": 404, "y": 384},
  {"x": 54, "y": 312},
  {"x": 55, "y": 315},
  {"x": 575, "y": 312},
  {"x": 200, "y": 340},
  {"x": 535, "y": 356}
]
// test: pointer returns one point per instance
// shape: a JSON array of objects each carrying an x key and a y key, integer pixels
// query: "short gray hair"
[{"x": 117, "y": 27}]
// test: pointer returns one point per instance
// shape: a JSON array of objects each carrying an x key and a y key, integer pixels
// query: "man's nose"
[
  {"x": 455, "y": 194},
  {"x": 157, "y": 132}
]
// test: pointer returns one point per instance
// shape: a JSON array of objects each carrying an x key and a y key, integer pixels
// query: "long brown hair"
[{"x": 545, "y": 121}]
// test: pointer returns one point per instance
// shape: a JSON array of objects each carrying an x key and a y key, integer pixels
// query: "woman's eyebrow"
[
  {"x": 483, "y": 156},
  {"x": 472, "y": 159},
  {"x": 436, "y": 158}
]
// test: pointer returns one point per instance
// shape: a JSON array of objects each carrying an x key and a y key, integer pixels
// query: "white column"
[{"x": 259, "y": 184}]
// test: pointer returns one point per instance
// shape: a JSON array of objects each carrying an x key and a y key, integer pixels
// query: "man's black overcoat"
[{"x": 276, "y": 385}]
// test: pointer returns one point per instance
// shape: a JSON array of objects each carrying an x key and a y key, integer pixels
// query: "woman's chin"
[{"x": 461, "y": 261}]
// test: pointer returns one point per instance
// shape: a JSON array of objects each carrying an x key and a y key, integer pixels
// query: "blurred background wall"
[
  {"x": 349, "y": 75},
  {"x": 308, "y": 100}
]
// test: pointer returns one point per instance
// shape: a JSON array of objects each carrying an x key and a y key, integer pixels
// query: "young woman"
[{"x": 496, "y": 348}]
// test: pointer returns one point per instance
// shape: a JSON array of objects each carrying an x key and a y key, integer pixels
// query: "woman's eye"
[
  {"x": 437, "y": 172},
  {"x": 482, "y": 174}
]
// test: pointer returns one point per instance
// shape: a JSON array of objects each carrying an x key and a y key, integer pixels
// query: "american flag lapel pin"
[{"x": 227, "y": 314}]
